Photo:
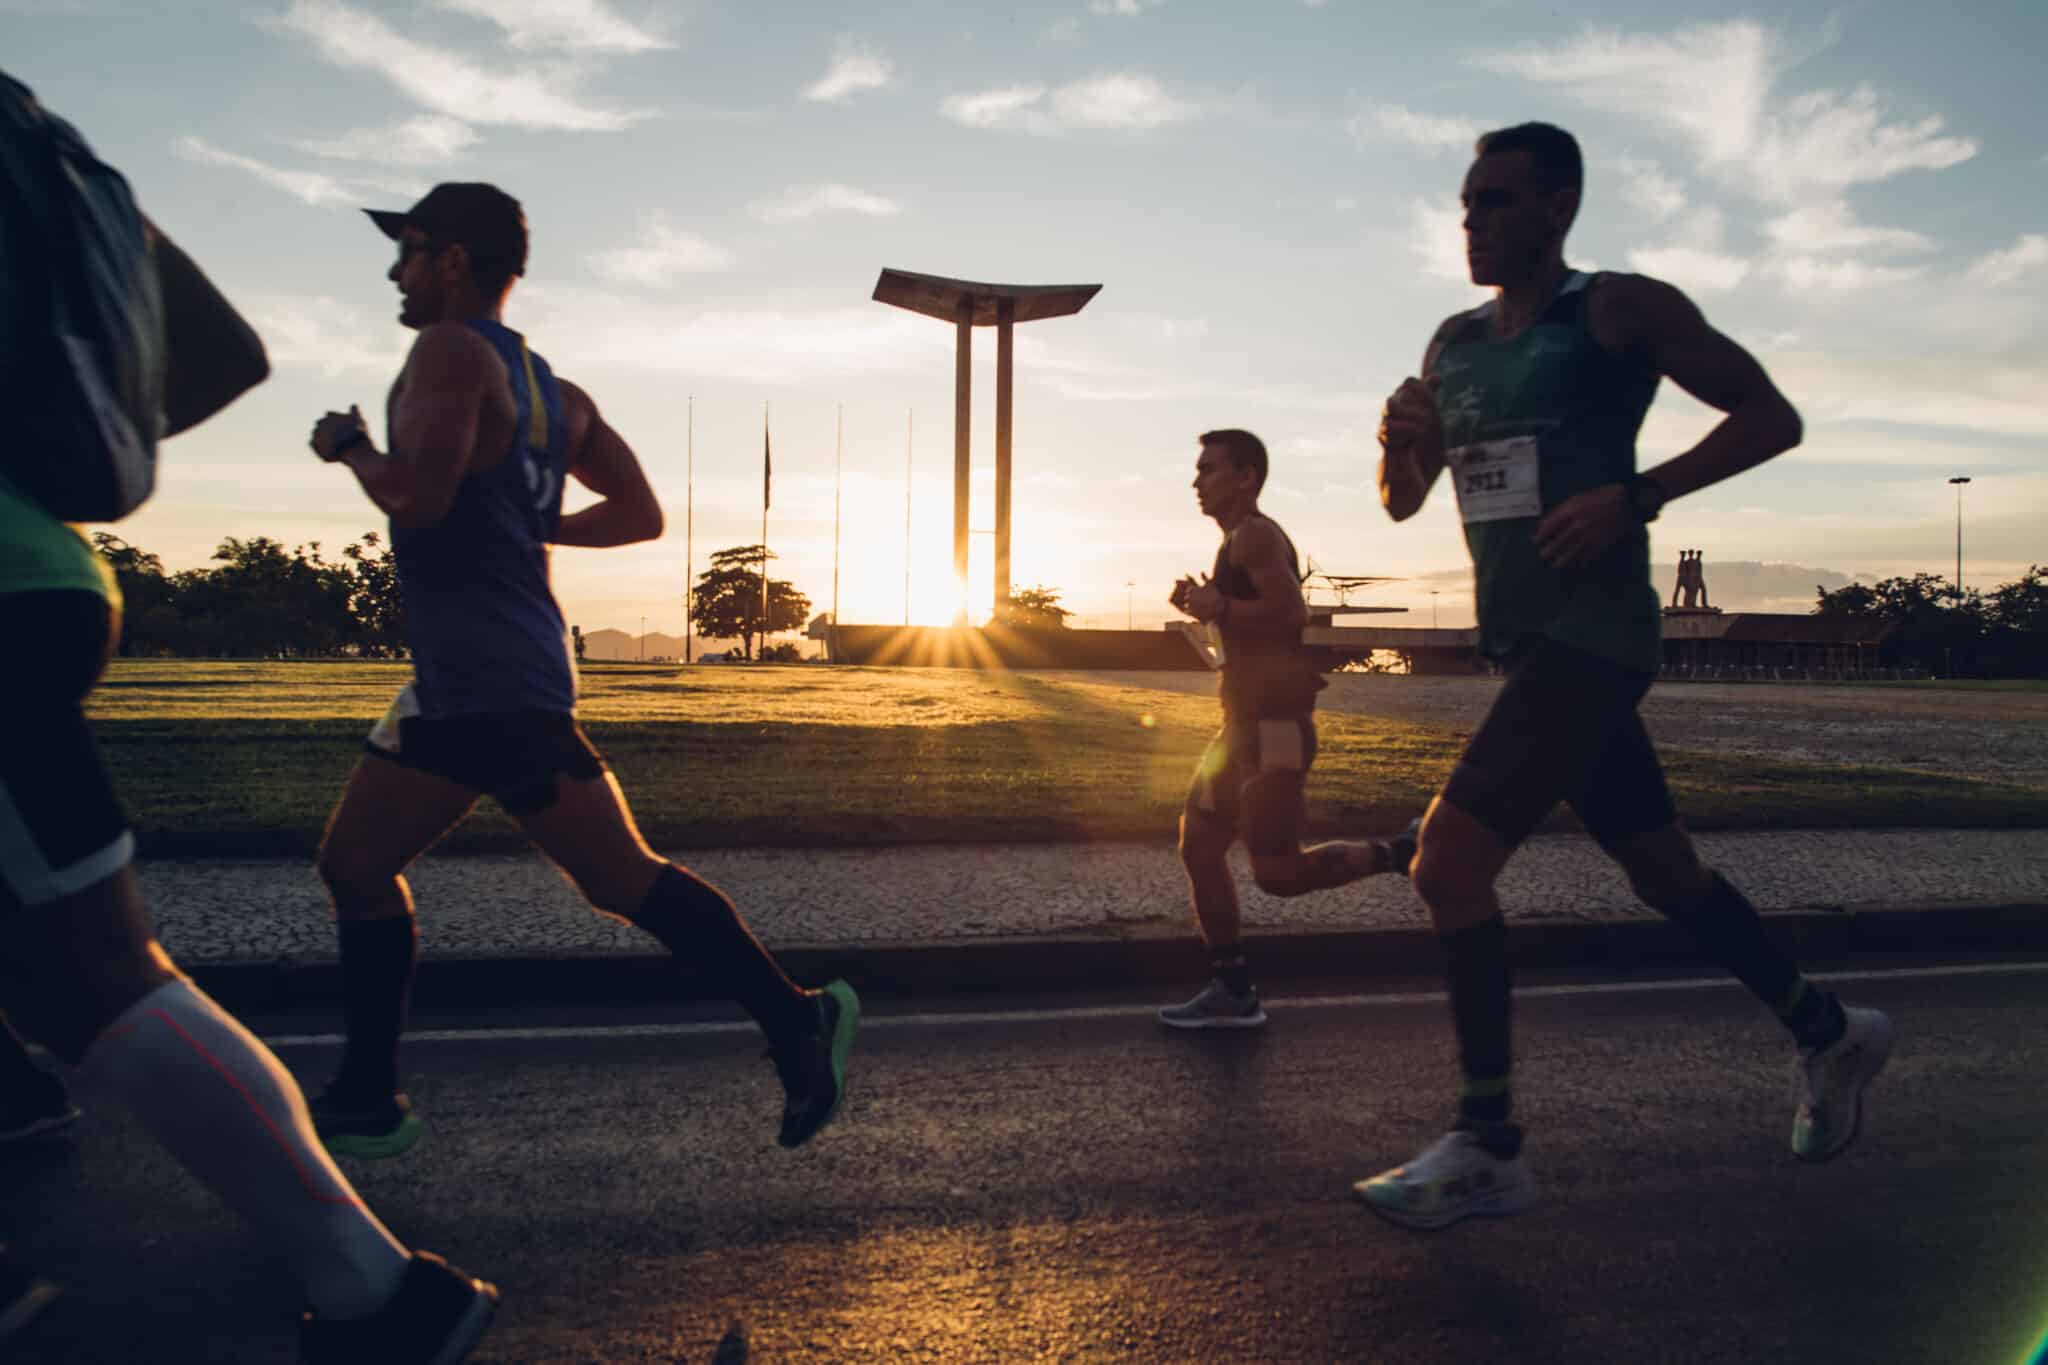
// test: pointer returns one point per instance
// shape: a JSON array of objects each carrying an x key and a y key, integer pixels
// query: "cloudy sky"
[{"x": 1266, "y": 191}]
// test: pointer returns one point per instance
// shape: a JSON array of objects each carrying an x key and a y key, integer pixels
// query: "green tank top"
[
  {"x": 1528, "y": 422},
  {"x": 39, "y": 553}
]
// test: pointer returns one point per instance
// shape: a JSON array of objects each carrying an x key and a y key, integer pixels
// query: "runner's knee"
[
  {"x": 1283, "y": 874},
  {"x": 618, "y": 889},
  {"x": 360, "y": 885},
  {"x": 1202, "y": 845},
  {"x": 1671, "y": 890}
]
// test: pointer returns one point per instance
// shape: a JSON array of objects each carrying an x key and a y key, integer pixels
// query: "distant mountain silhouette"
[{"x": 623, "y": 645}]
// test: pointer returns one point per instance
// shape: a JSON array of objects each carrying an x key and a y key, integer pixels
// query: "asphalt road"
[{"x": 1059, "y": 1181}]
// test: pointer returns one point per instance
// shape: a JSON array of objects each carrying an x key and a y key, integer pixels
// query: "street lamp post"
[
  {"x": 1959, "y": 481},
  {"x": 1432, "y": 607}
]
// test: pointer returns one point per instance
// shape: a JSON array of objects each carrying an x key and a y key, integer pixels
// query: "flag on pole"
[{"x": 767, "y": 464}]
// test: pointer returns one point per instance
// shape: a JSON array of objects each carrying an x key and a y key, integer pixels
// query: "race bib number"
[{"x": 1497, "y": 480}]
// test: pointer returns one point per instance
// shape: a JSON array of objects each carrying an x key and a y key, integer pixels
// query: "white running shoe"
[
  {"x": 1454, "y": 1177},
  {"x": 1215, "y": 1007},
  {"x": 1829, "y": 1082}
]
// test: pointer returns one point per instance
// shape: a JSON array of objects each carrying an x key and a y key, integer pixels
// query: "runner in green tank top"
[{"x": 1531, "y": 403}]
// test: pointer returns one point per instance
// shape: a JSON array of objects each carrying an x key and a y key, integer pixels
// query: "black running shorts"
[
  {"x": 61, "y": 827},
  {"x": 1564, "y": 728},
  {"x": 1250, "y": 781},
  {"x": 513, "y": 756}
]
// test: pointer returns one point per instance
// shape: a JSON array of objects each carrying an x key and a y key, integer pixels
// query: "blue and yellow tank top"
[
  {"x": 1529, "y": 421},
  {"x": 480, "y": 617}
]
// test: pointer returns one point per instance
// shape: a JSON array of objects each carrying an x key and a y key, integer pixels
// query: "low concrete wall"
[{"x": 1015, "y": 647}]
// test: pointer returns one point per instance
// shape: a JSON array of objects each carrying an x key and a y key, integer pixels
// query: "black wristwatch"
[{"x": 1645, "y": 497}]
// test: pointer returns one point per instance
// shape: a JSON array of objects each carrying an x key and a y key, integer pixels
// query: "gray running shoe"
[
  {"x": 1454, "y": 1177},
  {"x": 1830, "y": 1083},
  {"x": 1215, "y": 1007}
]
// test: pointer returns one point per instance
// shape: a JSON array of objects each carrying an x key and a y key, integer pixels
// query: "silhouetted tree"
[
  {"x": 1039, "y": 606},
  {"x": 726, "y": 598},
  {"x": 374, "y": 600}
]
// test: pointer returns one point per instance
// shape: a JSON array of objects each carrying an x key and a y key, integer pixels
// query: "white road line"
[{"x": 1090, "y": 1012}]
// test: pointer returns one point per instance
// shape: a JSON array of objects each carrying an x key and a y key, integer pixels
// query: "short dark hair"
[
  {"x": 1553, "y": 153},
  {"x": 1245, "y": 450}
]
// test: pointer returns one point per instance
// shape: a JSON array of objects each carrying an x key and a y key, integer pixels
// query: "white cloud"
[
  {"x": 1645, "y": 185},
  {"x": 592, "y": 330},
  {"x": 1119, "y": 100},
  {"x": 562, "y": 25},
  {"x": 321, "y": 335},
  {"x": 1393, "y": 123},
  {"x": 489, "y": 93},
  {"x": 1697, "y": 270},
  {"x": 853, "y": 70},
  {"x": 1948, "y": 390},
  {"x": 1127, "y": 8},
  {"x": 1838, "y": 274},
  {"x": 424, "y": 140},
  {"x": 1436, "y": 236},
  {"x": 311, "y": 187},
  {"x": 1067, "y": 30},
  {"x": 1829, "y": 225},
  {"x": 2030, "y": 252},
  {"x": 1005, "y": 106},
  {"x": 798, "y": 205},
  {"x": 1695, "y": 259},
  {"x": 661, "y": 254},
  {"x": 1712, "y": 85}
]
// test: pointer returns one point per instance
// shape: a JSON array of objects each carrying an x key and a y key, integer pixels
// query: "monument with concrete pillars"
[{"x": 968, "y": 304}]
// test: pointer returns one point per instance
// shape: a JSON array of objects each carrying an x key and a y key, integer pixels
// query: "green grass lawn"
[{"x": 246, "y": 758}]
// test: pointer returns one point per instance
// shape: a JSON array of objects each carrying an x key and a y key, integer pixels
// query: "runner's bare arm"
[
  {"x": 433, "y": 426},
  {"x": 1659, "y": 323},
  {"x": 1412, "y": 438},
  {"x": 600, "y": 460},
  {"x": 214, "y": 355},
  {"x": 1259, "y": 549}
]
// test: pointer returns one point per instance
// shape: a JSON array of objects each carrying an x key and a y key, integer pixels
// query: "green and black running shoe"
[
  {"x": 378, "y": 1129},
  {"x": 813, "y": 1067}
]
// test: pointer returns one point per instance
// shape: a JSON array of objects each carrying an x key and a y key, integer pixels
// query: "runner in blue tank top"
[
  {"x": 483, "y": 436},
  {"x": 1532, "y": 403}
]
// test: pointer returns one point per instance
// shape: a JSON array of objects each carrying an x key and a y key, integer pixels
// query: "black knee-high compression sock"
[
  {"x": 1729, "y": 928},
  {"x": 1228, "y": 963},
  {"x": 695, "y": 921},
  {"x": 1476, "y": 969},
  {"x": 377, "y": 957},
  {"x": 21, "y": 1079}
]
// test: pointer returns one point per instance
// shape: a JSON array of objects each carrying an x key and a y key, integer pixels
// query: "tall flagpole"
[
  {"x": 767, "y": 478},
  {"x": 838, "y": 466},
  {"x": 909, "y": 424},
  {"x": 690, "y": 532}
]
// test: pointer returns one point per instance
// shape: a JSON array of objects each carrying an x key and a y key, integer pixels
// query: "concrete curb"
[{"x": 1048, "y": 964}]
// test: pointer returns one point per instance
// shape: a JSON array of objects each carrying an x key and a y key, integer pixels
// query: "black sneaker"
[
  {"x": 22, "y": 1296},
  {"x": 34, "y": 1110},
  {"x": 436, "y": 1316},
  {"x": 380, "y": 1128},
  {"x": 813, "y": 1067}
]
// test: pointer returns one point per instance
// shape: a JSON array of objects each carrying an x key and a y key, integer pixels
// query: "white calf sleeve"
[{"x": 222, "y": 1104}]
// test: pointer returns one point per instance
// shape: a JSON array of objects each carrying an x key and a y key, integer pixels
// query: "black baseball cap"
[{"x": 481, "y": 217}]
